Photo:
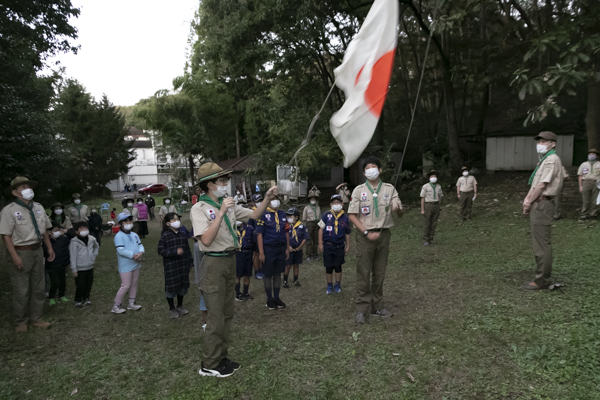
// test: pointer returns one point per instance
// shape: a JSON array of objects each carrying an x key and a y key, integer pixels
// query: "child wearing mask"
[
  {"x": 298, "y": 238},
  {"x": 256, "y": 199},
  {"x": 243, "y": 260},
  {"x": 431, "y": 202},
  {"x": 142, "y": 218},
  {"x": 273, "y": 247},
  {"x": 95, "y": 221},
  {"x": 311, "y": 216},
  {"x": 129, "y": 256},
  {"x": 334, "y": 242},
  {"x": 174, "y": 248},
  {"x": 238, "y": 198},
  {"x": 58, "y": 216},
  {"x": 466, "y": 190},
  {"x": 56, "y": 269},
  {"x": 166, "y": 208},
  {"x": 83, "y": 251}
]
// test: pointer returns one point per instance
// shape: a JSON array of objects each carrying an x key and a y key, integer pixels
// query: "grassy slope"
[{"x": 462, "y": 328}]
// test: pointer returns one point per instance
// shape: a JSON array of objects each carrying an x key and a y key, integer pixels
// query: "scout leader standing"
[
  {"x": 342, "y": 190},
  {"x": 166, "y": 208},
  {"x": 23, "y": 226},
  {"x": 311, "y": 216},
  {"x": 589, "y": 173},
  {"x": 370, "y": 211},
  {"x": 546, "y": 181},
  {"x": 431, "y": 202},
  {"x": 214, "y": 220},
  {"x": 466, "y": 189},
  {"x": 150, "y": 203},
  {"x": 78, "y": 212}
]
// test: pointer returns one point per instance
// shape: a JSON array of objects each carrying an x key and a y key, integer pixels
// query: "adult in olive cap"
[
  {"x": 78, "y": 212},
  {"x": 58, "y": 216},
  {"x": 546, "y": 181},
  {"x": 24, "y": 226},
  {"x": 311, "y": 217},
  {"x": 167, "y": 207},
  {"x": 589, "y": 173},
  {"x": 214, "y": 219}
]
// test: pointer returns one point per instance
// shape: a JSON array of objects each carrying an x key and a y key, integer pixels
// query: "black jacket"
[
  {"x": 150, "y": 202},
  {"x": 60, "y": 246},
  {"x": 95, "y": 221}
]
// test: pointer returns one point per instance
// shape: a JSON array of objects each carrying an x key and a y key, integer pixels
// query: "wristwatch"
[{"x": 365, "y": 233}]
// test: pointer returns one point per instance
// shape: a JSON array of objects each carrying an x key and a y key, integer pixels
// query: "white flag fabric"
[{"x": 364, "y": 76}]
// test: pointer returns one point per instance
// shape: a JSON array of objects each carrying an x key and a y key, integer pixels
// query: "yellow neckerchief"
[
  {"x": 294, "y": 233},
  {"x": 276, "y": 218},
  {"x": 336, "y": 219},
  {"x": 241, "y": 235}
]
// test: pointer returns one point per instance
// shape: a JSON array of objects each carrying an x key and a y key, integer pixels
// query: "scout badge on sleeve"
[
  {"x": 365, "y": 210},
  {"x": 19, "y": 216}
]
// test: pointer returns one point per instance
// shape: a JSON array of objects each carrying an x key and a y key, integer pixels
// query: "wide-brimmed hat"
[
  {"x": 211, "y": 170},
  {"x": 336, "y": 197},
  {"x": 18, "y": 181},
  {"x": 546, "y": 135},
  {"x": 123, "y": 216},
  {"x": 76, "y": 196},
  {"x": 432, "y": 172},
  {"x": 464, "y": 169},
  {"x": 314, "y": 192},
  {"x": 167, "y": 198},
  {"x": 57, "y": 204},
  {"x": 592, "y": 150}
]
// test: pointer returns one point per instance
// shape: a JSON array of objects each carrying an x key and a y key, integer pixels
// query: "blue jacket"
[{"x": 128, "y": 245}]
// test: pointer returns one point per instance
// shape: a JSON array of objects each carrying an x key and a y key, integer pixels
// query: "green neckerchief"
[
  {"x": 374, "y": 193},
  {"x": 540, "y": 163},
  {"x": 205, "y": 198},
  {"x": 314, "y": 208},
  {"x": 32, "y": 214},
  {"x": 78, "y": 207},
  {"x": 433, "y": 187}
]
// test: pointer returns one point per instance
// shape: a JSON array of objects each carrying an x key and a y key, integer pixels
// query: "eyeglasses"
[{"x": 223, "y": 180}]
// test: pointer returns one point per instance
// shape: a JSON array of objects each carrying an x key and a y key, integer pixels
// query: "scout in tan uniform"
[
  {"x": 166, "y": 208},
  {"x": 546, "y": 181},
  {"x": 589, "y": 173},
  {"x": 311, "y": 217},
  {"x": 466, "y": 189},
  {"x": 214, "y": 219},
  {"x": 23, "y": 226},
  {"x": 370, "y": 211},
  {"x": 342, "y": 190},
  {"x": 77, "y": 211},
  {"x": 431, "y": 202},
  {"x": 58, "y": 216}
]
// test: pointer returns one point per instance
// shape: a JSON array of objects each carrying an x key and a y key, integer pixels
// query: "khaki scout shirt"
[
  {"x": 427, "y": 192},
  {"x": 466, "y": 183},
  {"x": 344, "y": 194},
  {"x": 165, "y": 209},
  {"x": 75, "y": 214},
  {"x": 589, "y": 171},
  {"x": 203, "y": 215},
  {"x": 550, "y": 171},
  {"x": 135, "y": 213},
  {"x": 15, "y": 221},
  {"x": 362, "y": 204},
  {"x": 308, "y": 215}
]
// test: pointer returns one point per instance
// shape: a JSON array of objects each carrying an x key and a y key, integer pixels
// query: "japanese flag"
[{"x": 364, "y": 77}]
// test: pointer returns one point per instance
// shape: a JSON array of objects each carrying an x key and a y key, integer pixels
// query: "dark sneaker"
[
  {"x": 260, "y": 275},
  {"x": 248, "y": 296},
  {"x": 280, "y": 304},
  {"x": 337, "y": 288},
  {"x": 240, "y": 297},
  {"x": 222, "y": 371},
  {"x": 285, "y": 285},
  {"x": 271, "y": 305},
  {"x": 329, "y": 289},
  {"x": 297, "y": 284},
  {"x": 235, "y": 366},
  {"x": 383, "y": 313}
]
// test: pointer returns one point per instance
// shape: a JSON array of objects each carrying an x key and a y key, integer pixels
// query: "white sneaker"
[
  {"x": 134, "y": 307},
  {"x": 204, "y": 328},
  {"x": 117, "y": 310}
]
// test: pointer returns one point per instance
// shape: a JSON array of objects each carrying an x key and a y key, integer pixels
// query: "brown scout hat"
[
  {"x": 592, "y": 150},
  {"x": 211, "y": 170},
  {"x": 464, "y": 169},
  {"x": 432, "y": 172},
  {"x": 546, "y": 135},
  {"x": 314, "y": 192},
  {"x": 19, "y": 180}
]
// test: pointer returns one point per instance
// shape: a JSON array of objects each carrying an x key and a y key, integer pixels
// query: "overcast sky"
[{"x": 129, "y": 48}]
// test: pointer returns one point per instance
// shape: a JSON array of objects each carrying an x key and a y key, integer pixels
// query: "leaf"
[
  {"x": 74, "y": 391},
  {"x": 523, "y": 92},
  {"x": 583, "y": 57},
  {"x": 412, "y": 378}
]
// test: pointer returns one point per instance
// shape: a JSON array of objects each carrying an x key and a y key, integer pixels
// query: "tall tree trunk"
[
  {"x": 237, "y": 141},
  {"x": 453, "y": 147},
  {"x": 592, "y": 119},
  {"x": 192, "y": 168}
]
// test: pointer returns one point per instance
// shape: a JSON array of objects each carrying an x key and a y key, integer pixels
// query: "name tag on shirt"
[
  {"x": 585, "y": 170},
  {"x": 365, "y": 210},
  {"x": 329, "y": 228}
]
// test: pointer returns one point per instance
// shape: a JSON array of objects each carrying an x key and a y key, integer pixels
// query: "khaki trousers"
[
  {"x": 466, "y": 204},
  {"x": 371, "y": 262},
  {"x": 432, "y": 214},
  {"x": 589, "y": 195},
  {"x": 217, "y": 283},
  {"x": 28, "y": 285},
  {"x": 312, "y": 247},
  {"x": 540, "y": 219},
  {"x": 557, "y": 204}
]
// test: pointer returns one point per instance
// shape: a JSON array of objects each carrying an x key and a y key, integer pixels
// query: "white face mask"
[
  {"x": 167, "y": 201},
  {"x": 238, "y": 223},
  {"x": 258, "y": 204},
  {"x": 56, "y": 234},
  {"x": 336, "y": 207},
  {"x": 129, "y": 204},
  {"x": 220, "y": 192},
  {"x": 77, "y": 201},
  {"x": 84, "y": 233},
  {"x": 372, "y": 174},
  {"x": 541, "y": 148},
  {"x": 27, "y": 194},
  {"x": 93, "y": 211},
  {"x": 275, "y": 203},
  {"x": 58, "y": 211},
  {"x": 128, "y": 227},
  {"x": 175, "y": 224},
  {"x": 238, "y": 192},
  {"x": 433, "y": 180},
  {"x": 140, "y": 202},
  {"x": 592, "y": 157},
  {"x": 291, "y": 219},
  {"x": 465, "y": 173},
  {"x": 313, "y": 202}
]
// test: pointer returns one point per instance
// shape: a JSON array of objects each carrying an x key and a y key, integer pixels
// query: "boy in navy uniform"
[
  {"x": 256, "y": 199},
  {"x": 298, "y": 238},
  {"x": 243, "y": 260},
  {"x": 334, "y": 242},
  {"x": 273, "y": 247}
]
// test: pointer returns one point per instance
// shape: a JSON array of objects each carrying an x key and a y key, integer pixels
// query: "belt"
[
  {"x": 378, "y": 230},
  {"x": 432, "y": 202},
  {"x": 245, "y": 251},
  {"x": 28, "y": 247},
  {"x": 548, "y": 198},
  {"x": 219, "y": 253},
  {"x": 274, "y": 244},
  {"x": 336, "y": 245}
]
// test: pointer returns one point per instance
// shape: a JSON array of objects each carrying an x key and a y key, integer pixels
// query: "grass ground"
[{"x": 462, "y": 329}]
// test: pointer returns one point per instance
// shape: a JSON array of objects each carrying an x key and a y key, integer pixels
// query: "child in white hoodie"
[{"x": 83, "y": 251}]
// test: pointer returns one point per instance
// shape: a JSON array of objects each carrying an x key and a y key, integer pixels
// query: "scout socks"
[
  {"x": 295, "y": 278},
  {"x": 276, "y": 285},
  {"x": 285, "y": 277},
  {"x": 179, "y": 301},
  {"x": 237, "y": 290},
  {"x": 170, "y": 301},
  {"x": 246, "y": 289},
  {"x": 268, "y": 288}
]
